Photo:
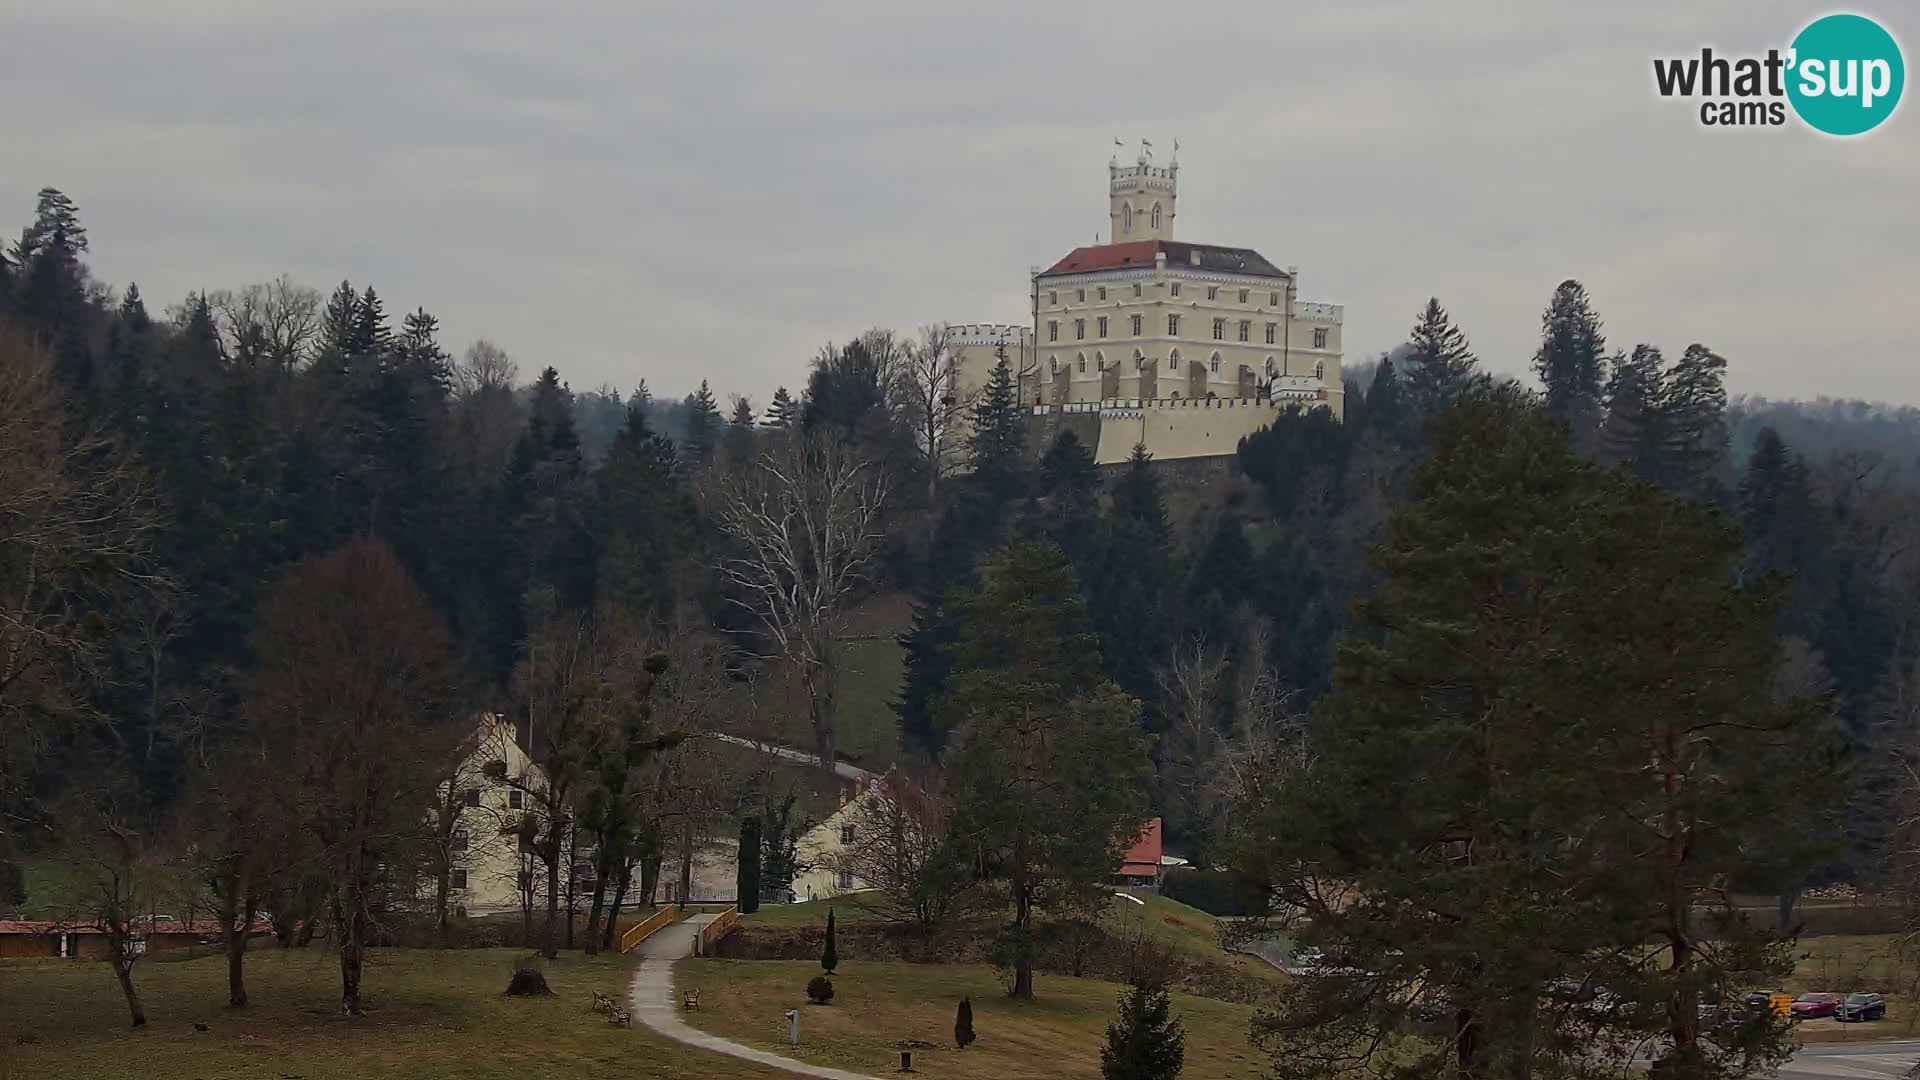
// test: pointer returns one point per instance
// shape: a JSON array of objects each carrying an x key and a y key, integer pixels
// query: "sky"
[{"x": 715, "y": 189}]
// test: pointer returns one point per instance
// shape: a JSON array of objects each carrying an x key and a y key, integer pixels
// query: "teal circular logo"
[{"x": 1845, "y": 74}]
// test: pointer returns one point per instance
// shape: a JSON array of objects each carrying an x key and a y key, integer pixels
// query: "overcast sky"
[{"x": 713, "y": 189}]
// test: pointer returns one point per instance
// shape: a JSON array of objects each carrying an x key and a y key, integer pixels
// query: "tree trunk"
[
  {"x": 443, "y": 895},
  {"x": 350, "y": 925},
  {"x": 612, "y": 931},
  {"x": 123, "y": 972},
  {"x": 1022, "y": 925},
  {"x": 686, "y": 864},
  {"x": 551, "y": 947},
  {"x": 573, "y": 898},
  {"x": 595, "y": 905},
  {"x": 236, "y": 943},
  {"x": 818, "y": 681},
  {"x": 649, "y": 878},
  {"x": 1789, "y": 905}
]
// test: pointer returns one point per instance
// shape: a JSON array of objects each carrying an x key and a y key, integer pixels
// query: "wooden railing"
[
  {"x": 711, "y": 933},
  {"x": 639, "y": 931}
]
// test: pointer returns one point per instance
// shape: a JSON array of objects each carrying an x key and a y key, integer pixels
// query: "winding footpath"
[{"x": 650, "y": 998}]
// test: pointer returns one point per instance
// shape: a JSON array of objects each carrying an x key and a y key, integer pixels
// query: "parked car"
[
  {"x": 1813, "y": 1006},
  {"x": 1760, "y": 999},
  {"x": 1858, "y": 1007}
]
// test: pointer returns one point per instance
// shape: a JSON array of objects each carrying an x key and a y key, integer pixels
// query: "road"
[
  {"x": 1853, "y": 1060},
  {"x": 840, "y": 768}
]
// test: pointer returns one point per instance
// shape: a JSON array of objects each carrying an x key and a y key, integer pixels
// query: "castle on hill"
[{"x": 1185, "y": 348}]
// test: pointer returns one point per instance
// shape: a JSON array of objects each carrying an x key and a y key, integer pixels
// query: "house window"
[
  {"x": 516, "y": 799},
  {"x": 1103, "y": 326},
  {"x": 1053, "y": 363},
  {"x": 1136, "y": 288},
  {"x": 846, "y": 834},
  {"x": 844, "y": 881},
  {"x": 1053, "y": 296},
  {"x": 1245, "y": 329},
  {"x": 1243, "y": 296},
  {"x": 1273, "y": 299},
  {"x": 1053, "y": 330},
  {"x": 1079, "y": 329},
  {"x": 1219, "y": 329},
  {"x": 1213, "y": 363},
  {"x": 1173, "y": 326},
  {"x": 1080, "y": 296},
  {"x": 471, "y": 796},
  {"x": 1319, "y": 369},
  {"x": 1103, "y": 292},
  {"x": 1083, "y": 363},
  {"x": 457, "y": 879},
  {"x": 458, "y": 841},
  {"x": 1213, "y": 292},
  {"x": 1272, "y": 329},
  {"x": 1174, "y": 289},
  {"x": 1136, "y": 326},
  {"x": 1319, "y": 337}
]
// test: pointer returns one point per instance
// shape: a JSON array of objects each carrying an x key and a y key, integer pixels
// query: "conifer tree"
[
  {"x": 703, "y": 425},
  {"x": 829, "y": 954},
  {"x": 784, "y": 412},
  {"x": 963, "y": 1024},
  {"x": 1441, "y": 369},
  {"x": 999, "y": 437},
  {"x": 740, "y": 429},
  {"x": 371, "y": 336},
  {"x": 1633, "y": 434},
  {"x": 1386, "y": 405},
  {"x": 1129, "y": 579},
  {"x": 1144, "y": 1042},
  {"x": 1572, "y": 363},
  {"x": 645, "y": 521},
  {"x": 1693, "y": 413},
  {"x": 337, "y": 324}
]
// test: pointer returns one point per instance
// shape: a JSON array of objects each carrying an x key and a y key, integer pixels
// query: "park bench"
[
  {"x": 601, "y": 1002},
  {"x": 690, "y": 999},
  {"x": 618, "y": 1017}
]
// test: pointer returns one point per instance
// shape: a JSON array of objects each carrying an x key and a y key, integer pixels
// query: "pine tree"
[
  {"x": 747, "y": 866},
  {"x": 419, "y": 350},
  {"x": 740, "y": 430},
  {"x": 1144, "y": 1042},
  {"x": 1572, "y": 363},
  {"x": 999, "y": 437},
  {"x": 963, "y": 1024},
  {"x": 1386, "y": 409},
  {"x": 1693, "y": 413},
  {"x": 703, "y": 425},
  {"x": 337, "y": 323},
  {"x": 1222, "y": 577},
  {"x": 56, "y": 228},
  {"x": 1138, "y": 500},
  {"x": 927, "y": 647},
  {"x": 1633, "y": 433},
  {"x": 1441, "y": 369},
  {"x": 1130, "y": 580},
  {"x": 371, "y": 336},
  {"x": 641, "y": 397},
  {"x": 645, "y": 521},
  {"x": 784, "y": 412},
  {"x": 829, "y": 955}
]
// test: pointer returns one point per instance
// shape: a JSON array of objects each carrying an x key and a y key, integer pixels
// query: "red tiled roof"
[
  {"x": 1106, "y": 257},
  {"x": 1145, "y": 852},
  {"x": 1213, "y": 257}
]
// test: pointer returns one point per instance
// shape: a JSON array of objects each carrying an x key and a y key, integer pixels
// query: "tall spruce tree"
[
  {"x": 703, "y": 425},
  {"x": 1633, "y": 434},
  {"x": 645, "y": 521},
  {"x": 1559, "y": 654},
  {"x": 1572, "y": 363},
  {"x": 1130, "y": 581},
  {"x": 784, "y": 412},
  {"x": 1144, "y": 1042},
  {"x": 1441, "y": 369},
  {"x": 738, "y": 440},
  {"x": 1693, "y": 412},
  {"x": 999, "y": 437}
]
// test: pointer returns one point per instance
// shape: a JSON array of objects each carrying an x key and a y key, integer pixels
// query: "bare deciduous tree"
[
  {"x": 901, "y": 847},
  {"x": 277, "y": 321},
  {"x": 935, "y": 404},
  {"x": 359, "y": 697},
  {"x": 115, "y": 864},
  {"x": 803, "y": 522}
]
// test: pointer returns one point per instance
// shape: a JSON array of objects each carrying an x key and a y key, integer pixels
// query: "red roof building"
[{"x": 1141, "y": 864}]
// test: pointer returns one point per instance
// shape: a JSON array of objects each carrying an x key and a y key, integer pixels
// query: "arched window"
[
  {"x": 1176, "y": 393},
  {"x": 1083, "y": 363},
  {"x": 1173, "y": 360},
  {"x": 1319, "y": 369},
  {"x": 1156, "y": 215},
  {"x": 1126, "y": 217},
  {"x": 1099, "y": 361},
  {"x": 1053, "y": 364},
  {"x": 1213, "y": 363}
]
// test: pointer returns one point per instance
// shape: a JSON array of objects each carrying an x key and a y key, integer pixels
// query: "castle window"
[
  {"x": 1079, "y": 329},
  {"x": 457, "y": 878},
  {"x": 1174, "y": 289},
  {"x": 1272, "y": 329},
  {"x": 516, "y": 799},
  {"x": 1103, "y": 326},
  {"x": 1319, "y": 369},
  {"x": 1053, "y": 364},
  {"x": 1173, "y": 362},
  {"x": 1173, "y": 326},
  {"x": 1126, "y": 216},
  {"x": 1243, "y": 296},
  {"x": 1245, "y": 329},
  {"x": 1156, "y": 215},
  {"x": 1083, "y": 363},
  {"x": 1136, "y": 326},
  {"x": 471, "y": 796},
  {"x": 1213, "y": 292},
  {"x": 1080, "y": 295},
  {"x": 1053, "y": 330},
  {"x": 1319, "y": 337},
  {"x": 1213, "y": 364},
  {"x": 1136, "y": 288},
  {"x": 1219, "y": 329},
  {"x": 1053, "y": 296},
  {"x": 846, "y": 834},
  {"x": 1273, "y": 299},
  {"x": 1103, "y": 292}
]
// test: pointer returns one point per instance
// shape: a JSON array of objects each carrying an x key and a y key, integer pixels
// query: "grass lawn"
[
  {"x": 1841, "y": 963},
  {"x": 434, "y": 1016},
  {"x": 875, "y": 1006},
  {"x": 868, "y": 732}
]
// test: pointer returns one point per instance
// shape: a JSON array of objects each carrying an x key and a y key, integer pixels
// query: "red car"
[{"x": 1812, "y": 1006}]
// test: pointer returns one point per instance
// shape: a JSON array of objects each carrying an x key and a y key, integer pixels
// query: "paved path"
[
  {"x": 1860, "y": 1060},
  {"x": 651, "y": 999},
  {"x": 840, "y": 768}
]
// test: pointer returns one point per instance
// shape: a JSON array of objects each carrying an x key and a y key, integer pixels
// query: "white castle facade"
[{"x": 1185, "y": 348}]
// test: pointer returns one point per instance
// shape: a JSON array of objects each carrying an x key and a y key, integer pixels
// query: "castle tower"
[{"x": 1140, "y": 197}]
